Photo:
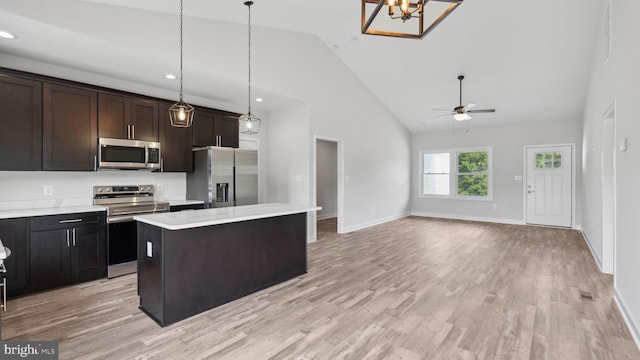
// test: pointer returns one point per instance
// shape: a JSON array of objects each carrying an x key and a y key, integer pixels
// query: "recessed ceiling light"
[
  {"x": 170, "y": 76},
  {"x": 259, "y": 99},
  {"x": 7, "y": 35}
]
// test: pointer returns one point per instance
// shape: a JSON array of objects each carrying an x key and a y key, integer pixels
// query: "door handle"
[
  {"x": 530, "y": 191},
  {"x": 4, "y": 294}
]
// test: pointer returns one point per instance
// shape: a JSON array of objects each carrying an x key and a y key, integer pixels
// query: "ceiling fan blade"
[
  {"x": 449, "y": 110},
  {"x": 442, "y": 116},
  {"x": 482, "y": 111},
  {"x": 469, "y": 106}
]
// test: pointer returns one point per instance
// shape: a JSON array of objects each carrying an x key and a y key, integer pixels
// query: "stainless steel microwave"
[{"x": 128, "y": 154}]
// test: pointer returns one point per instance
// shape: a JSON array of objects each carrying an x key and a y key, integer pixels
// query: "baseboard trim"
[
  {"x": 367, "y": 224},
  {"x": 628, "y": 318},
  {"x": 468, "y": 218},
  {"x": 326, "y": 216},
  {"x": 593, "y": 253}
]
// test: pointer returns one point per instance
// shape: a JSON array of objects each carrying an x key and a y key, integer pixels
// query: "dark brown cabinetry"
[
  {"x": 67, "y": 249},
  {"x": 20, "y": 124},
  {"x": 215, "y": 128},
  {"x": 13, "y": 233},
  {"x": 70, "y": 128},
  {"x": 176, "y": 144},
  {"x": 124, "y": 117},
  {"x": 175, "y": 208}
]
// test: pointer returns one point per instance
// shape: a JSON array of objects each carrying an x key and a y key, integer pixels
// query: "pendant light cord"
[
  {"x": 181, "y": 74},
  {"x": 249, "y": 90}
]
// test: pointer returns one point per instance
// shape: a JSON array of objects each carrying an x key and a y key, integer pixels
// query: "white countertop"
[
  {"x": 18, "y": 213},
  {"x": 206, "y": 217}
]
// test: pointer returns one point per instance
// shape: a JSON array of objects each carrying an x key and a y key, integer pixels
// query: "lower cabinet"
[
  {"x": 67, "y": 249},
  {"x": 13, "y": 233}
]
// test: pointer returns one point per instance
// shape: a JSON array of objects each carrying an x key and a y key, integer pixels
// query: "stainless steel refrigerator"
[{"x": 223, "y": 177}]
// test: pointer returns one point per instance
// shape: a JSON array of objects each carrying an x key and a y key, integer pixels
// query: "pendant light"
[
  {"x": 249, "y": 123},
  {"x": 181, "y": 113}
]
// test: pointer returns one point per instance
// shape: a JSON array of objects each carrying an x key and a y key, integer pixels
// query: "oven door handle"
[{"x": 129, "y": 216}]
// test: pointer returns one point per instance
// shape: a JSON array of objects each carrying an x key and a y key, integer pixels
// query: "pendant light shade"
[
  {"x": 249, "y": 123},
  {"x": 181, "y": 113}
]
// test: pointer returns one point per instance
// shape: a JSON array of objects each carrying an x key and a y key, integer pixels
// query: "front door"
[{"x": 549, "y": 181}]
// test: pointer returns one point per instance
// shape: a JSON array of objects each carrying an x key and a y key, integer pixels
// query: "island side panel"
[
  {"x": 150, "y": 286},
  {"x": 208, "y": 266}
]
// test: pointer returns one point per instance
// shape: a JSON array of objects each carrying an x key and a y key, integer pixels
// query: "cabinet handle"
[
  {"x": 4, "y": 294},
  {"x": 70, "y": 221},
  {"x": 67, "y": 237},
  {"x": 128, "y": 132},
  {"x": 95, "y": 162},
  {"x": 133, "y": 132},
  {"x": 162, "y": 165},
  {"x": 74, "y": 236}
]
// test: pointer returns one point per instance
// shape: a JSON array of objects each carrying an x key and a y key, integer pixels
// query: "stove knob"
[
  {"x": 99, "y": 190},
  {"x": 108, "y": 190}
]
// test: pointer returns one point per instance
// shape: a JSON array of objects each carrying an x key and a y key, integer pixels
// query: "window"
[
  {"x": 549, "y": 160},
  {"x": 457, "y": 174}
]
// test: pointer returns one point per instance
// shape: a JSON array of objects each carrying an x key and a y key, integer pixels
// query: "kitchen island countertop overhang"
[{"x": 216, "y": 216}]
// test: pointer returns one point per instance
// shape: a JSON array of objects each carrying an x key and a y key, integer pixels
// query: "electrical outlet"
[
  {"x": 47, "y": 190},
  {"x": 494, "y": 206}
]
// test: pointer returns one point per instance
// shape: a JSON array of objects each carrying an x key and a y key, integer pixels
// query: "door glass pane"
[{"x": 548, "y": 160}]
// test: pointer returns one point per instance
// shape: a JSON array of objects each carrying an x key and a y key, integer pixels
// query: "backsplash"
[{"x": 25, "y": 189}]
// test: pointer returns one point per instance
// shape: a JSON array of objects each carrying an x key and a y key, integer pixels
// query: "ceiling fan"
[{"x": 461, "y": 113}]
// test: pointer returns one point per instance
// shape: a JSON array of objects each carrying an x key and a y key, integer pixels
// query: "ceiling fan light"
[{"x": 461, "y": 117}]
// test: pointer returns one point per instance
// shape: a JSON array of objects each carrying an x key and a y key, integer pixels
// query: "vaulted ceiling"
[{"x": 528, "y": 59}]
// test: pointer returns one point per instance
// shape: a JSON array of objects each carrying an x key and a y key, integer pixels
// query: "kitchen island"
[{"x": 192, "y": 261}]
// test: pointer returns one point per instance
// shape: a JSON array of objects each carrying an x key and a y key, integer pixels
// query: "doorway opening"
[
  {"x": 608, "y": 190},
  {"x": 327, "y": 189}
]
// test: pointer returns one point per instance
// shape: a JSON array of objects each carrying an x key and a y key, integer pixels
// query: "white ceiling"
[{"x": 528, "y": 59}]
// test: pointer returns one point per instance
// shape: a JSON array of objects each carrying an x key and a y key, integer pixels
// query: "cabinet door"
[
  {"x": 21, "y": 124},
  {"x": 144, "y": 118},
  {"x": 227, "y": 126},
  {"x": 13, "y": 233},
  {"x": 88, "y": 253},
  {"x": 113, "y": 116},
  {"x": 50, "y": 258},
  {"x": 175, "y": 144},
  {"x": 70, "y": 128},
  {"x": 203, "y": 121}
]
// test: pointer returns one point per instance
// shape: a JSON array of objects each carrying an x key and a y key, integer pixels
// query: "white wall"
[
  {"x": 24, "y": 189},
  {"x": 508, "y": 143},
  {"x": 616, "y": 80},
  {"x": 336, "y": 106},
  {"x": 327, "y": 179}
]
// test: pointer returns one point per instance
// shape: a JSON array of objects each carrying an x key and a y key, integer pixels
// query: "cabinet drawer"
[{"x": 52, "y": 222}]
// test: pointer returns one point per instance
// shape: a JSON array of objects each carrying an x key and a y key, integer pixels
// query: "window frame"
[{"x": 453, "y": 174}]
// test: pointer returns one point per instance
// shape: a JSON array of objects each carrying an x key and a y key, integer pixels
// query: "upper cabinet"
[
  {"x": 214, "y": 128},
  {"x": 70, "y": 128},
  {"x": 175, "y": 144},
  {"x": 21, "y": 124},
  {"x": 124, "y": 117}
]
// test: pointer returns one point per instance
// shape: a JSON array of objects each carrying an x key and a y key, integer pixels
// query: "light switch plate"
[
  {"x": 149, "y": 249},
  {"x": 47, "y": 190},
  {"x": 517, "y": 178}
]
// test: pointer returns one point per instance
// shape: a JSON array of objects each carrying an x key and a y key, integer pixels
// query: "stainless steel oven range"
[{"x": 123, "y": 202}]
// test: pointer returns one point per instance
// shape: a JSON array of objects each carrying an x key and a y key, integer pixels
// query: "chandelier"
[{"x": 419, "y": 17}]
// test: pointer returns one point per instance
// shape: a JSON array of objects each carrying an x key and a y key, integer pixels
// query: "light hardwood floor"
[{"x": 414, "y": 288}]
